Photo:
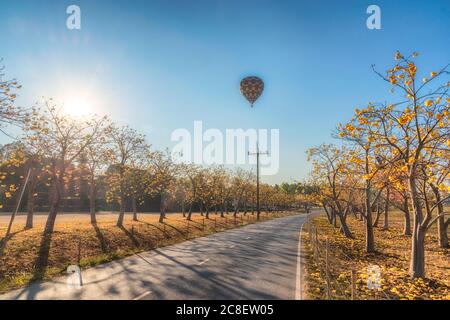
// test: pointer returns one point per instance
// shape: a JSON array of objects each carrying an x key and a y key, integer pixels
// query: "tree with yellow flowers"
[
  {"x": 126, "y": 147},
  {"x": 163, "y": 172},
  {"x": 240, "y": 184},
  {"x": 10, "y": 113},
  {"x": 62, "y": 140},
  {"x": 137, "y": 179},
  {"x": 368, "y": 159},
  {"x": 331, "y": 174},
  {"x": 96, "y": 160},
  {"x": 397, "y": 181},
  {"x": 406, "y": 133}
]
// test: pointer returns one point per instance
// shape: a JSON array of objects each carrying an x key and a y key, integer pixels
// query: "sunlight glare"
[{"x": 78, "y": 106}]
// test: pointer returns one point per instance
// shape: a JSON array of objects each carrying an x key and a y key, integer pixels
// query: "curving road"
[{"x": 258, "y": 261}]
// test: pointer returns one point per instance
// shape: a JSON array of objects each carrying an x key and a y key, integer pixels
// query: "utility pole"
[{"x": 257, "y": 153}]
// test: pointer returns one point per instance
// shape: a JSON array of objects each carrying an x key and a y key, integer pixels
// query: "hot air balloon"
[{"x": 251, "y": 88}]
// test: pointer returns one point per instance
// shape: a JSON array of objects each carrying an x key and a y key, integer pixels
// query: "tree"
[
  {"x": 367, "y": 157},
  {"x": 96, "y": 159},
  {"x": 211, "y": 187},
  {"x": 62, "y": 140},
  {"x": 10, "y": 114},
  {"x": 182, "y": 192},
  {"x": 437, "y": 177},
  {"x": 400, "y": 197},
  {"x": 331, "y": 173},
  {"x": 190, "y": 172},
  {"x": 32, "y": 159},
  {"x": 305, "y": 194},
  {"x": 407, "y": 131},
  {"x": 240, "y": 184},
  {"x": 163, "y": 177},
  {"x": 12, "y": 162},
  {"x": 413, "y": 131},
  {"x": 126, "y": 147},
  {"x": 137, "y": 179},
  {"x": 224, "y": 192}
]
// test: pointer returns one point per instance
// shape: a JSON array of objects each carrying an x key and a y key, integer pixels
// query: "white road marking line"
[
  {"x": 298, "y": 278},
  {"x": 248, "y": 238},
  {"x": 204, "y": 261},
  {"x": 139, "y": 297},
  {"x": 232, "y": 246}
]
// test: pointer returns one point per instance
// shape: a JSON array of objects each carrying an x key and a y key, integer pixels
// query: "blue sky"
[{"x": 160, "y": 65}]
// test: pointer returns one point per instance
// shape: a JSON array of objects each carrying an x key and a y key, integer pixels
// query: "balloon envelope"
[{"x": 251, "y": 88}]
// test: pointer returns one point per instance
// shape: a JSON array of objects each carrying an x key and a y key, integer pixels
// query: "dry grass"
[
  {"x": 76, "y": 241},
  {"x": 393, "y": 254}
]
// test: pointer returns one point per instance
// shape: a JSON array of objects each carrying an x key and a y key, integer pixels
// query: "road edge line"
[{"x": 298, "y": 278}]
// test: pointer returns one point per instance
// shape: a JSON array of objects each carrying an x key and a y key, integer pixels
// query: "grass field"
[
  {"x": 393, "y": 253},
  {"x": 76, "y": 241}
]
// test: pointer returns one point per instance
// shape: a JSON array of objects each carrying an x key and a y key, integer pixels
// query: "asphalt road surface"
[{"x": 258, "y": 261}]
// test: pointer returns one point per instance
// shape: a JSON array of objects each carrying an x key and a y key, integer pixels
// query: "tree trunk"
[
  {"x": 189, "y": 216},
  {"x": 236, "y": 210},
  {"x": 57, "y": 194},
  {"x": 162, "y": 208},
  {"x": 122, "y": 200},
  {"x": 417, "y": 263},
  {"x": 328, "y": 213},
  {"x": 183, "y": 209},
  {"x": 361, "y": 216},
  {"x": 207, "y": 213},
  {"x": 344, "y": 227},
  {"x": 386, "y": 210},
  {"x": 442, "y": 231},
  {"x": 407, "y": 223},
  {"x": 355, "y": 214},
  {"x": 370, "y": 243},
  {"x": 406, "y": 218},
  {"x": 377, "y": 218},
  {"x": 442, "y": 227},
  {"x": 133, "y": 203},
  {"x": 54, "y": 206},
  {"x": 92, "y": 201},
  {"x": 30, "y": 202}
]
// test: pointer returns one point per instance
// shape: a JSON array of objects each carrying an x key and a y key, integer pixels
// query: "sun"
[{"x": 78, "y": 106}]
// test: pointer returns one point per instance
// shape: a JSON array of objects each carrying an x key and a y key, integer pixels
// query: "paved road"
[{"x": 259, "y": 261}]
